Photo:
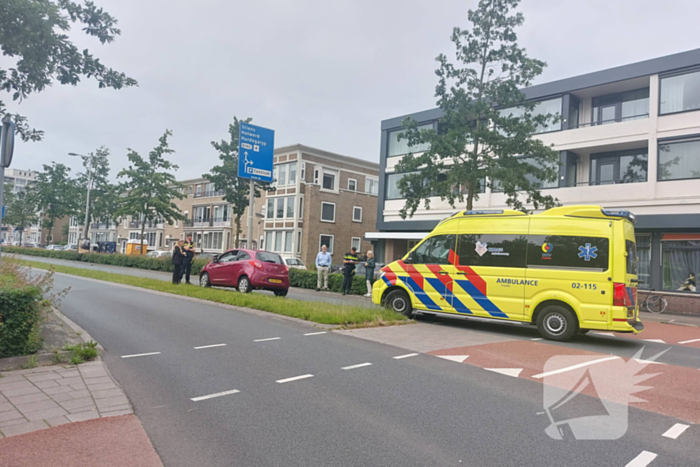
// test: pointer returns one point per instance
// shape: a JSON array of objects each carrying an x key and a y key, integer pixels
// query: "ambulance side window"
[
  {"x": 570, "y": 252},
  {"x": 504, "y": 251},
  {"x": 435, "y": 250}
]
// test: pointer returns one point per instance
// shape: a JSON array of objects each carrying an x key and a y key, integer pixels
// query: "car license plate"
[{"x": 275, "y": 281}]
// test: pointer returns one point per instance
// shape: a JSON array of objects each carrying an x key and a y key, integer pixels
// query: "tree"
[
  {"x": 487, "y": 124},
  {"x": 103, "y": 195},
  {"x": 149, "y": 187},
  {"x": 225, "y": 177},
  {"x": 21, "y": 208},
  {"x": 65, "y": 229},
  {"x": 56, "y": 193},
  {"x": 34, "y": 38}
]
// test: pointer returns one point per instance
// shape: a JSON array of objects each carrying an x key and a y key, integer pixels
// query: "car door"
[
  {"x": 236, "y": 267},
  {"x": 427, "y": 273},
  {"x": 218, "y": 270}
]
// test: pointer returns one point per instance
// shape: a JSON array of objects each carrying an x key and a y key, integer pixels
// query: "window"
[
  {"x": 680, "y": 263},
  {"x": 630, "y": 105},
  {"x": 288, "y": 239},
  {"x": 280, "y": 208},
  {"x": 631, "y": 250},
  {"x": 329, "y": 180},
  {"x": 371, "y": 186},
  {"x": 302, "y": 172},
  {"x": 282, "y": 174},
  {"x": 266, "y": 257},
  {"x": 290, "y": 207},
  {"x": 278, "y": 241},
  {"x": 352, "y": 184},
  {"x": 679, "y": 160},
  {"x": 357, "y": 214},
  {"x": 391, "y": 190},
  {"x": 328, "y": 212},
  {"x": 270, "y": 210},
  {"x": 568, "y": 252},
  {"x": 463, "y": 188},
  {"x": 551, "y": 107},
  {"x": 355, "y": 243},
  {"x": 242, "y": 256},
  {"x": 680, "y": 93},
  {"x": 533, "y": 178},
  {"x": 400, "y": 147},
  {"x": 644, "y": 261},
  {"x": 299, "y": 243},
  {"x": 316, "y": 175},
  {"x": 328, "y": 241},
  {"x": 269, "y": 242},
  {"x": 492, "y": 250},
  {"x": 199, "y": 191},
  {"x": 434, "y": 250},
  {"x": 301, "y": 207},
  {"x": 619, "y": 167},
  {"x": 292, "y": 179}
]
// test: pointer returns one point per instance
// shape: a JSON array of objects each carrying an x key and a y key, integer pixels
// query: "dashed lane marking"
[
  {"x": 294, "y": 378},
  {"x": 574, "y": 367},
  {"x": 268, "y": 339},
  {"x": 654, "y": 340},
  {"x": 690, "y": 341},
  {"x": 642, "y": 460},
  {"x": 141, "y": 354},
  {"x": 676, "y": 430},
  {"x": 646, "y": 362},
  {"x": 514, "y": 372},
  {"x": 314, "y": 333},
  {"x": 454, "y": 358},
  {"x": 209, "y": 346},
  {"x": 399, "y": 357},
  {"x": 211, "y": 396},
  {"x": 359, "y": 365}
]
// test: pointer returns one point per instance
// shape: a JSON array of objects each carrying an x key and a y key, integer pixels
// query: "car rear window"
[
  {"x": 266, "y": 257},
  {"x": 631, "y": 248}
]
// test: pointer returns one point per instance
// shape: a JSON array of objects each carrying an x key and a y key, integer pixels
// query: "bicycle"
[{"x": 655, "y": 303}]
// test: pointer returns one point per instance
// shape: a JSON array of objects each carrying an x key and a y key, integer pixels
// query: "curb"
[{"x": 80, "y": 331}]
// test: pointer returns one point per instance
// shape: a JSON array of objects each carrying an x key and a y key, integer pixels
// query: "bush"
[
  {"x": 308, "y": 280},
  {"x": 140, "y": 262},
  {"x": 20, "y": 320}
]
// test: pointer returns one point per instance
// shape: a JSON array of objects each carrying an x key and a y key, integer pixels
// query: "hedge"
[
  {"x": 20, "y": 321},
  {"x": 307, "y": 280},
  {"x": 140, "y": 262}
]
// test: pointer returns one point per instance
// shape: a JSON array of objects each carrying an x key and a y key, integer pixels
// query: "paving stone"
[
  {"x": 69, "y": 381},
  {"x": 103, "y": 404},
  {"x": 30, "y": 398},
  {"x": 47, "y": 384},
  {"x": 4, "y": 387},
  {"x": 22, "y": 391},
  {"x": 58, "y": 390},
  {"x": 62, "y": 397},
  {"x": 43, "y": 377},
  {"x": 83, "y": 409},
  {"x": 77, "y": 387},
  {"x": 97, "y": 387},
  {"x": 78, "y": 403},
  {"x": 116, "y": 408},
  {"x": 2, "y": 398},
  {"x": 12, "y": 379},
  {"x": 16, "y": 421},
  {"x": 118, "y": 412},
  {"x": 55, "y": 421},
  {"x": 79, "y": 417},
  {"x": 24, "y": 428},
  {"x": 101, "y": 394},
  {"x": 12, "y": 415},
  {"x": 44, "y": 414},
  {"x": 100, "y": 380},
  {"x": 68, "y": 373},
  {"x": 5, "y": 406},
  {"x": 79, "y": 394},
  {"x": 34, "y": 406}
]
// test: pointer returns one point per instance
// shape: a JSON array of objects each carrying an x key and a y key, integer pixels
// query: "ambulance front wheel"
[
  {"x": 556, "y": 323},
  {"x": 398, "y": 301}
]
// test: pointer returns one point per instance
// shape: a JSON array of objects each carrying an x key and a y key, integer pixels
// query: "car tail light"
[
  {"x": 620, "y": 295},
  {"x": 256, "y": 264}
]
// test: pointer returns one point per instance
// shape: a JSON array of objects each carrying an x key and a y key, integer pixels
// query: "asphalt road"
[{"x": 419, "y": 410}]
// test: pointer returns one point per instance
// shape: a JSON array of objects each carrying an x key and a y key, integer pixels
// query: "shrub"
[
  {"x": 82, "y": 352},
  {"x": 20, "y": 320},
  {"x": 308, "y": 280}
]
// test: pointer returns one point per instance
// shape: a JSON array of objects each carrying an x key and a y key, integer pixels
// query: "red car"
[{"x": 247, "y": 270}]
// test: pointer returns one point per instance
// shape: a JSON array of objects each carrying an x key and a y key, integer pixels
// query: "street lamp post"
[{"x": 89, "y": 186}]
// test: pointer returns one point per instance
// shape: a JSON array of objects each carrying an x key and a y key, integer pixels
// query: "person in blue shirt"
[{"x": 323, "y": 264}]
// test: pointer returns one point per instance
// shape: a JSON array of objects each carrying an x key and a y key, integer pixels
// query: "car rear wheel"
[
  {"x": 557, "y": 323},
  {"x": 244, "y": 285},
  {"x": 204, "y": 280},
  {"x": 398, "y": 301},
  {"x": 281, "y": 293}
]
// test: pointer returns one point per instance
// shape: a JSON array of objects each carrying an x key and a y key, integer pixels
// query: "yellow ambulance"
[{"x": 567, "y": 270}]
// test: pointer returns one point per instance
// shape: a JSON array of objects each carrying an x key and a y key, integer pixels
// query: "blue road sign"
[
  {"x": 256, "y": 146},
  {"x": 2, "y": 216}
]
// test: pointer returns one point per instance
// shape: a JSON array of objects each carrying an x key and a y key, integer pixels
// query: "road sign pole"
[
  {"x": 251, "y": 213},
  {"x": 2, "y": 189}
]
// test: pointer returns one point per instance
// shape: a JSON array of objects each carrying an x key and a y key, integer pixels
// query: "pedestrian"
[
  {"x": 188, "y": 248},
  {"x": 349, "y": 262},
  {"x": 369, "y": 272},
  {"x": 178, "y": 257},
  {"x": 323, "y": 264}
]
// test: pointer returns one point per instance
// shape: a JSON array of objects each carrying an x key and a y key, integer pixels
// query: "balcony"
[
  {"x": 203, "y": 222},
  {"x": 209, "y": 194},
  {"x": 222, "y": 222},
  {"x": 149, "y": 225}
]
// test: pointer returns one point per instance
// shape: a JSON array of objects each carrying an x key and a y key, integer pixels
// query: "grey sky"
[{"x": 320, "y": 72}]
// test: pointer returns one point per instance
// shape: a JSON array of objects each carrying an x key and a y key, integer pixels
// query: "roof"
[{"x": 327, "y": 154}]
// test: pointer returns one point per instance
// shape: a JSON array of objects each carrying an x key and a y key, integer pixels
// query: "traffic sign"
[
  {"x": 2, "y": 216},
  {"x": 256, "y": 146},
  {"x": 7, "y": 145}
]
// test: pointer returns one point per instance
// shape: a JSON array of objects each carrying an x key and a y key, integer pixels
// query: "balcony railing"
[
  {"x": 209, "y": 193},
  {"x": 222, "y": 222},
  {"x": 611, "y": 121},
  {"x": 149, "y": 225},
  {"x": 202, "y": 222}
]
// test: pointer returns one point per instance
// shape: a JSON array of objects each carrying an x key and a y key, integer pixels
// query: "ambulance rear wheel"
[
  {"x": 398, "y": 301},
  {"x": 556, "y": 323}
]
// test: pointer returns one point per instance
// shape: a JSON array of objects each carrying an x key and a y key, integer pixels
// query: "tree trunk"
[
  {"x": 143, "y": 228},
  {"x": 238, "y": 231},
  {"x": 48, "y": 235}
]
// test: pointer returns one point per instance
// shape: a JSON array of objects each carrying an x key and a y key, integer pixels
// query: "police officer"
[
  {"x": 349, "y": 262},
  {"x": 188, "y": 248}
]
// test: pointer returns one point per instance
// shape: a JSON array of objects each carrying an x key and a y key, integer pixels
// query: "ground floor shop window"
[
  {"x": 644, "y": 261},
  {"x": 680, "y": 262}
]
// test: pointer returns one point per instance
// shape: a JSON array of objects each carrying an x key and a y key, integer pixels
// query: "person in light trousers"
[
  {"x": 369, "y": 272},
  {"x": 323, "y": 263}
]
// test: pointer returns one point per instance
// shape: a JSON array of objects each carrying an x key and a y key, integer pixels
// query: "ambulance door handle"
[
  {"x": 443, "y": 273},
  {"x": 462, "y": 273}
]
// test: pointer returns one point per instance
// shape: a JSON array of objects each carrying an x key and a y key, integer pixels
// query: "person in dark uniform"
[
  {"x": 188, "y": 248},
  {"x": 178, "y": 257},
  {"x": 349, "y": 262}
]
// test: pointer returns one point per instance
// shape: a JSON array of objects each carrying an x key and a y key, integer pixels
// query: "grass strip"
[{"x": 318, "y": 312}]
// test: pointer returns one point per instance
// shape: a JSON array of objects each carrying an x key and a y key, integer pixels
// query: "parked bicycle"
[{"x": 655, "y": 303}]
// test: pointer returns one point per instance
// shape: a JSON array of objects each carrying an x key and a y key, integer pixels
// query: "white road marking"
[
  {"x": 642, "y": 460},
  {"x": 454, "y": 358},
  {"x": 295, "y": 378},
  {"x": 268, "y": 339},
  {"x": 209, "y": 346},
  {"x": 359, "y": 365},
  {"x": 646, "y": 362},
  {"x": 399, "y": 357},
  {"x": 314, "y": 333},
  {"x": 514, "y": 372},
  {"x": 604, "y": 334},
  {"x": 654, "y": 340},
  {"x": 218, "y": 394},
  {"x": 676, "y": 430},
  {"x": 574, "y": 367},
  {"x": 537, "y": 339},
  {"x": 141, "y": 354},
  {"x": 691, "y": 340}
]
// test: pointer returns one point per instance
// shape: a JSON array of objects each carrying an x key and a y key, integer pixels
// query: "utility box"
[{"x": 133, "y": 247}]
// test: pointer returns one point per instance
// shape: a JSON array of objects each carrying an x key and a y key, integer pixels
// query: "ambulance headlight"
[{"x": 381, "y": 274}]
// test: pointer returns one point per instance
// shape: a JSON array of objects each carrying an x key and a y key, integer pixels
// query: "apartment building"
[
  {"x": 321, "y": 198},
  {"x": 18, "y": 180},
  {"x": 629, "y": 137}
]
